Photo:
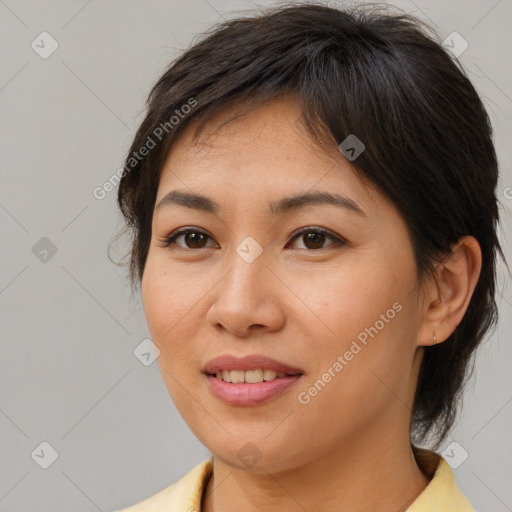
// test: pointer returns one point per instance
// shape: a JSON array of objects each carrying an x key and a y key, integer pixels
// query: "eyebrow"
[{"x": 280, "y": 207}]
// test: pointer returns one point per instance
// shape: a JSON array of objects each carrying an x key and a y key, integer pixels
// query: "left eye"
[{"x": 313, "y": 238}]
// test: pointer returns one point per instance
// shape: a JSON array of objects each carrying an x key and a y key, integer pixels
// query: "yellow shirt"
[{"x": 441, "y": 495}]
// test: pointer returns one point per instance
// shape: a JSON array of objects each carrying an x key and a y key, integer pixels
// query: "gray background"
[{"x": 68, "y": 372}]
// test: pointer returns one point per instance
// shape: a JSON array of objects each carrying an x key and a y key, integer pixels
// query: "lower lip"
[{"x": 243, "y": 393}]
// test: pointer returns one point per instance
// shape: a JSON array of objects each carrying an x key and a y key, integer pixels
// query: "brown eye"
[
  {"x": 312, "y": 238},
  {"x": 193, "y": 239},
  {"x": 315, "y": 238}
]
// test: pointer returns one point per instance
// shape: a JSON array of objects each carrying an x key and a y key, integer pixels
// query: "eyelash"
[{"x": 166, "y": 242}]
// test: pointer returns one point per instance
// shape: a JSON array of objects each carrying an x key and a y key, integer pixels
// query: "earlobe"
[{"x": 452, "y": 287}]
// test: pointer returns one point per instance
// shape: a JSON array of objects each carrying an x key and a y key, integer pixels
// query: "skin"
[{"x": 349, "y": 447}]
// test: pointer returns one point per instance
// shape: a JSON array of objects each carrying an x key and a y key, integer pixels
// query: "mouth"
[
  {"x": 249, "y": 380},
  {"x": 252, "y": 368},
  {"x": 251, "y": 376},
  {"x": 251, "y": 393}
]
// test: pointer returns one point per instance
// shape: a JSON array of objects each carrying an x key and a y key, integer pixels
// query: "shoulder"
[
  {"x": 442, "y": 494},
  {"x": 184, "y": 495}
]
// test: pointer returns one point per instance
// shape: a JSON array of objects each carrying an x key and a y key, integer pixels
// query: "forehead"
[
  {"x": 273, "y": 129},
  {"x": 267, "y": 151}
]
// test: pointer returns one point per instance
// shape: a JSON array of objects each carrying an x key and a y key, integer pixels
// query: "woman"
[{"x": 312, "y": 203}]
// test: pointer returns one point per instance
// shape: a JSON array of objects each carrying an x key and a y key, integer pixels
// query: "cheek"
[
  {"x": 171, "y": 312},
  {"x": 355, "y": 383},
  {"x": 363, "y": 316},
  {"x": 167, "y": 297},
  {"x": 346, "y": 298}
]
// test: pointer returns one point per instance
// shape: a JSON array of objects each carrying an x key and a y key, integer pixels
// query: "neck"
[{"x": 380, "y": 476}]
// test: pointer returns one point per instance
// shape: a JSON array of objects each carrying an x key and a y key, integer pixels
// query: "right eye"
[{"x": 194, "y": 238}]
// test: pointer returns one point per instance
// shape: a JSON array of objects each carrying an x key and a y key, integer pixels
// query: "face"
[{"x": 337, "y": 301}]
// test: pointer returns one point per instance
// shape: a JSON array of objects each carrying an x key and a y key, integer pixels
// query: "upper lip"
[{"x": 252, "y": 362}]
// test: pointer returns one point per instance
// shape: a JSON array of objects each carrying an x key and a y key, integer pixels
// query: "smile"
[{"x": 250, "y": 376}]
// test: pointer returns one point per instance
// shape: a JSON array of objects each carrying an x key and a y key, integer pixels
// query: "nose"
[{"x": 247, "y": 299}]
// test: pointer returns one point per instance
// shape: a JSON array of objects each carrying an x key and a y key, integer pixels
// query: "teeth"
[
  {"x": 237, "y": 375},
  {"x": 251, "y": 376},
  {"x": 269, "y": 374}
]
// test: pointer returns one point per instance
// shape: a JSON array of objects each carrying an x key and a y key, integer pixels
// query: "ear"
[{"x": 449, "y": 291}]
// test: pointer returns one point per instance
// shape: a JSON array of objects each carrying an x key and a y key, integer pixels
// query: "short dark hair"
[{"x": 384, "y": 77}]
